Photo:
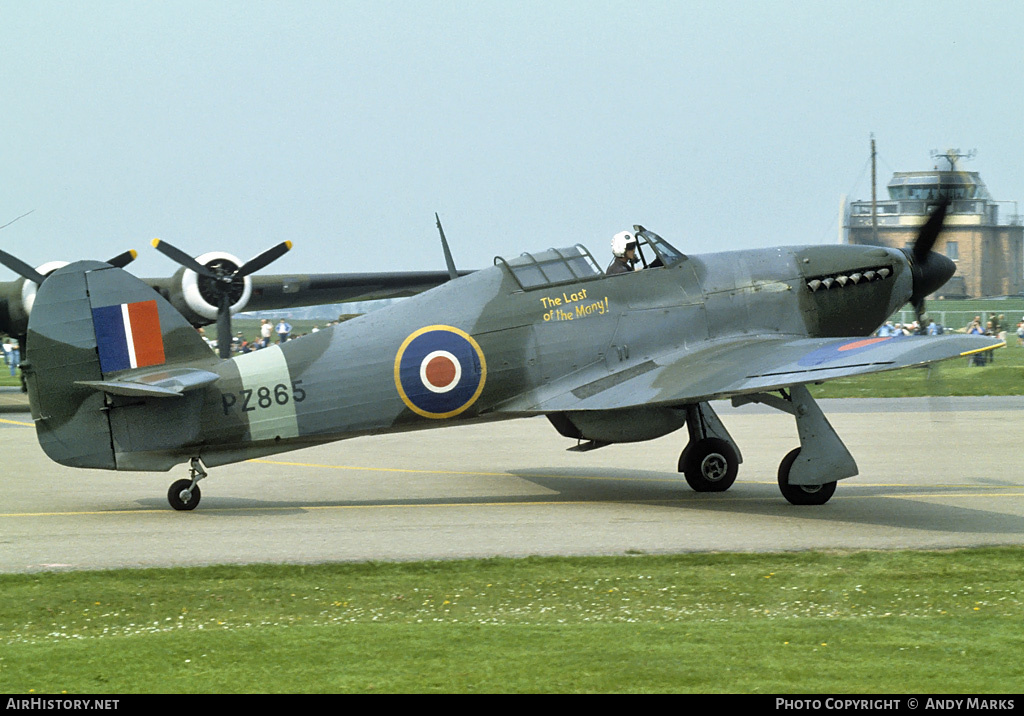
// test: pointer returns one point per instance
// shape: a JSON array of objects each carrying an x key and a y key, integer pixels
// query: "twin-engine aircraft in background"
[
  {"x": 118, "y": 379},
  {"x": 212, "y": 287}
]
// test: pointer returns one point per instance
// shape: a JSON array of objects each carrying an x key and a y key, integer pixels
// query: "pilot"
[{"x": 624, "y": 252}]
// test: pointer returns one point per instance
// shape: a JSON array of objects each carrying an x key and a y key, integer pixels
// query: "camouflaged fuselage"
[{"x": 371, "y": 375}]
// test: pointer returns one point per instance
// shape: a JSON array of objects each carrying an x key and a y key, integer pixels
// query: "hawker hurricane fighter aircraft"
[{"x": 119, "y": 380}]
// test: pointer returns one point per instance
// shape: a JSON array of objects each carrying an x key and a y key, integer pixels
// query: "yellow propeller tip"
[
  {"x": 155, "y": 242},
  {"x": 288, "y": 244},
  {"x": 134, "y": 253}
]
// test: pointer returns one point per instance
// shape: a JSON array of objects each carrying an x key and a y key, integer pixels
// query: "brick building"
[{"x": 986, "y": 244}]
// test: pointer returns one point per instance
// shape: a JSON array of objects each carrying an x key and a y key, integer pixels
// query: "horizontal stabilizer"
[{"x": 163, "y": 384}]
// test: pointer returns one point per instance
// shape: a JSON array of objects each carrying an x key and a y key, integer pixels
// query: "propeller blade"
[
  {"x": 179, "y": 256},
  {"x": 224, "y": 326},
  {"x": 122, "y": 260},
  {"x": 20, "y": 267},
  {"x": 929, "y": 270},
  {"x": 257, "y": 262},
  {"x": 930, "y": 231}
]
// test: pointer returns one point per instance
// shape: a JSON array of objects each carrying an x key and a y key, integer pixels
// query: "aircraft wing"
[
  {"x": 736, "y": 366},
  {"x": 281, "y": 291},
  {"x": 290, "y": 291}
]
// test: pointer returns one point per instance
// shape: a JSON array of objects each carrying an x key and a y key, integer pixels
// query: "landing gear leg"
[
  {"x": 808, "y": 475},
  {"x": 185, "y": 494},
  {"x": 711, "y": 459}
]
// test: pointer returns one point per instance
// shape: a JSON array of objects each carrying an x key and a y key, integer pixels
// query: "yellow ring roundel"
[{"x": 439, "y": 371}]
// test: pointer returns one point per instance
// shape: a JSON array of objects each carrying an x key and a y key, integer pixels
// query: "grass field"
[
  {"x": 859, "y": 622},
  {"x": 1004, "y": 375}
]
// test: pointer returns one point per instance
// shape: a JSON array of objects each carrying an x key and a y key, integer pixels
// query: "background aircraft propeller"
[
  {"x": 122, "y": 260},
  {"x": 928, "y": 269},
  {"x": 30, "y": 274},
  {"x": 20, "y": 267},
  {"x": 224, "y": 282}
]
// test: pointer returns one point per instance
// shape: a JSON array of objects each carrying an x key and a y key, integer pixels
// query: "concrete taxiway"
[{"x": 934, "y": 473}]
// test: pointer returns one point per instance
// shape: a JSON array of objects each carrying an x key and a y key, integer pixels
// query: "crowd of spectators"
[
  {"x": 995, "y": 325},
  {"x": 269, "y": 334}
]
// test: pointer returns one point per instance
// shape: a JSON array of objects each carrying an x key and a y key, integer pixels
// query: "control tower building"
[{"x": 986, "y": 244}]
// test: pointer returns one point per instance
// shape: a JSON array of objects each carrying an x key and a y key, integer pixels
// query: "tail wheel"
[
  {"x": 709, "y": 465},
  {"x": 802, "y": 494},
  {"x": 183, "y": 495}
]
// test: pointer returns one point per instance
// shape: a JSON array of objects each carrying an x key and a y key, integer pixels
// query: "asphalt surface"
[{"x": 934, "y": 473}]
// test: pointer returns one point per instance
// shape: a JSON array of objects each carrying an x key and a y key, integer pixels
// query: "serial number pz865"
[{"x": 262, "y": 398}]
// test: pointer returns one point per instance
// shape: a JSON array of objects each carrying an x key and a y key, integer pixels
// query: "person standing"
[
  {"x": 283, "y": 329},
  {"x": 14, "y": 357},
  {"x": 265, "y": 330}
]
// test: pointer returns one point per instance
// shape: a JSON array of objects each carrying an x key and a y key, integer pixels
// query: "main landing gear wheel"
[
  {"x": 709, "y": 465},
  {"x": 183, "y": 495},
  {"x": 802, "y": 494}
]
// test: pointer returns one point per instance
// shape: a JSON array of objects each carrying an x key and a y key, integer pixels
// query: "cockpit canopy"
[
  {"x": 665, "y": 254},
  {"x": 574, "y": 264}
]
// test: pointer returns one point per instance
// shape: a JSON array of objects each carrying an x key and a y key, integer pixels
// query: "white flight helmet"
[{"x": 622, "y": 242}]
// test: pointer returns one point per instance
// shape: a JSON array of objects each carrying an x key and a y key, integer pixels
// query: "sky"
[{"x": 343, "y": 126}]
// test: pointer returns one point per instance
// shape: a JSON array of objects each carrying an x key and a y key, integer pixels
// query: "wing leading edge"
[
  {"x": 737, "y": 366},
  {"x": 279, "y": 292}
]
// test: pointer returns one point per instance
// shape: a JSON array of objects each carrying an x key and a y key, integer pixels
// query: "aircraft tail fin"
[{"x": 94, "y": 327}]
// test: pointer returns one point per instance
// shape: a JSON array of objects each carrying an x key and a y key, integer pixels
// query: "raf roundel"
[{"x": 439, "y": 371}]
